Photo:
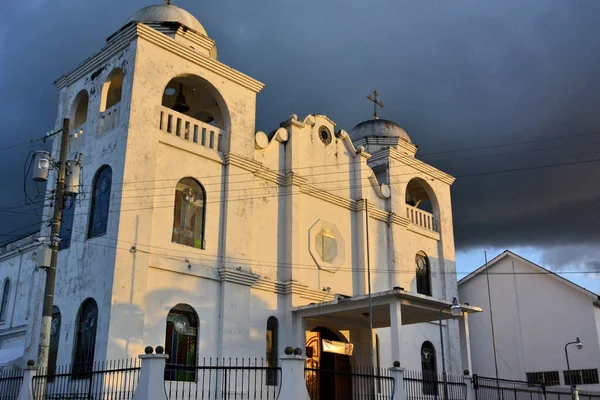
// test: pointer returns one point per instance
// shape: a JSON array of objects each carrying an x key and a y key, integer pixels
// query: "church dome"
[
  {"x": 167, "y": 13},
  {"x": 378, "y": 128}
]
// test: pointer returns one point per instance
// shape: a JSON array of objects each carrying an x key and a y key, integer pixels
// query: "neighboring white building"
[
  {"x": 201, "y": 234},
  {"x": 535, "y": 313}
]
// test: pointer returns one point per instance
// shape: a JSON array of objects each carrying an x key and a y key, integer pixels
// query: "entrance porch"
[{"x": 338, "y": 337}]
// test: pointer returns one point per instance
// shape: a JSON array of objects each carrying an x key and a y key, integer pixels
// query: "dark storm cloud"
[{"x": 455, "y": 74}]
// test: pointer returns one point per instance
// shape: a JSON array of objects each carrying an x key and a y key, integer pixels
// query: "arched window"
[
  {"x": 85, "y": 339},
  {"x": 272, "y": 356},
  {"x": 5, "y": 297},
  {"x": 181, "y": 342},
  {"x": 188, "y": 223},
  {"x": 111, "y": 90},
  {"x": 66, "y": 223},
  {"x": 80, "y": 108},
  {"x": 54, "y": 340},
  {"x": 100, "y": 202},
  {"x": 429, "y": 368},
  {"x": 423, "y": 274}
]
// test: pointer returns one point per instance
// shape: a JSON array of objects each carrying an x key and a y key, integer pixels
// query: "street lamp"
[
  {"x": 456, "y": 311},
  {"x": 578, "y": 346}
]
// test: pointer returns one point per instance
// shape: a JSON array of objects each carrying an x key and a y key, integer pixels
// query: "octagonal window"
[{"x": 326, "y": 245}]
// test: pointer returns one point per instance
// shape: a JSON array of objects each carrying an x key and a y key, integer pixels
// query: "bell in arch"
[{"x": 181, "y": 104}]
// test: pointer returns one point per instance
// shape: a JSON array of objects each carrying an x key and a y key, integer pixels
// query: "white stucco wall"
[
  {"x": 260, "y": 207},
  {"x": 535, "y": 315}
]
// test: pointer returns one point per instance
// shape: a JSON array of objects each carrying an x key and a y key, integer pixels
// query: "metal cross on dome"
[
  {"x": 374, "y": 97},
  {"x": 168, "y": 2}
]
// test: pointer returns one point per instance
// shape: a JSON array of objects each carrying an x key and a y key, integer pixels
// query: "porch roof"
[{"x": 415, "y": 308}]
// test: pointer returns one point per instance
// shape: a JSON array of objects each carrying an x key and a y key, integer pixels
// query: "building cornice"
[
  {"x": 414, "y": 163},
  {"x": 98, "y": 60},
  {"x": 293, "y": 179},
  {"x": 122, "y": 40},
  {"x": 257, "y": 282},
  {"x": 170, "y": 44}
]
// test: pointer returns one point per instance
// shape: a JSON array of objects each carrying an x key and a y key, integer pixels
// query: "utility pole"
[{"x": 44, "y": 347}]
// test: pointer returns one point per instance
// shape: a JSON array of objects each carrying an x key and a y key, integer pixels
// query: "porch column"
[
  {"x": 396, "y": 329},
  {"x": 298, "y": 332},
  {"x": 465, "y": 343}
]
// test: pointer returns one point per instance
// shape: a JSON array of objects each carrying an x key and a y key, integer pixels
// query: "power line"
[
  {"x": 285, "y": 171},
  {"x": 511, "y": 144},
  {"x": 318, "y": 190},
  {"x": 276, "y": 187},
  {"x": 528, "y": 168},
  {"x": 187, "y": 256},
  {"x": 11, "y": 233}
]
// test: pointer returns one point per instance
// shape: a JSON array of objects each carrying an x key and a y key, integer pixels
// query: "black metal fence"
[
  {"x": 10, "y": 383},
  {"x": 223, "y": 379},
  {"x": 106, "y": 381},
  {"x": 431, "y": 386},
  {"x": 502, "y": 389},
  {"x": 358, "y": 383}
]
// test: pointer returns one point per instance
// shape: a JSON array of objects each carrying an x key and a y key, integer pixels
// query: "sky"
[{"x": 480, "y": 86}]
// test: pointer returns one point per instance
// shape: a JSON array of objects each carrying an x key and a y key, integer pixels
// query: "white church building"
[{"x": 195, "y": 232}]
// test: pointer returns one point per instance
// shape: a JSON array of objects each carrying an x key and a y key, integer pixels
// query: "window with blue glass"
[
  {"x": 5, "y": 297},
  {"x": 66, "y": 225},
  {"x": 85, "y": 339},
  {"x": 100, "y": 202}
]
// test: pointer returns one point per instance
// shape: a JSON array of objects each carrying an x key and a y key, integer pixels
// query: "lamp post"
[
  {"x": 578, "y": 346},
  {"x": 456, "y": 312}
]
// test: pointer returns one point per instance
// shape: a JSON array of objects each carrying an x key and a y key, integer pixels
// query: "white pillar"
[
  {"x": 396, "y": 329},
  {"x": 26, "y": 392},
  {"x": 469, "y": 386},
  {"x": 293, "y": 381},
  {"x": 399, "y": 389},
  {"x": 465, "y": 343},
  {"x": 151, "y": 384}
]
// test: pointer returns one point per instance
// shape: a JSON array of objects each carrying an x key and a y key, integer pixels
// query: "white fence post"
[
  {"x": 399, "y": 389},
  {"x": 151, "y": 384},
  {"x": 469, "y": 387},
  {"x": 26, "y": 391},
  {"x": 293, "y": 378}
]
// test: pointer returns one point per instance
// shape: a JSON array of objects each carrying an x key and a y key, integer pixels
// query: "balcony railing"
[
  {"x": 187, "y": 128},
  {"x": 421, "y": 218},
  {"x": 108, "y": 119}
]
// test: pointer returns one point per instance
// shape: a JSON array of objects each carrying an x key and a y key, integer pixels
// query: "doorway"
[{"x": 328, "y": 375}]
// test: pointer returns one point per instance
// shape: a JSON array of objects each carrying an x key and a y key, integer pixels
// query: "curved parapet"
[{"x": 262, "y": 140}]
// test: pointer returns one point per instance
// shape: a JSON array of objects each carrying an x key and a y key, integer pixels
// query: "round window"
[{"x": 325, "y": 134}]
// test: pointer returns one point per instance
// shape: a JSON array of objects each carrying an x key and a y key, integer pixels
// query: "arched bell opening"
[
  {"x": 422, "y": 205},
  {"x": 200, "y": 113}
]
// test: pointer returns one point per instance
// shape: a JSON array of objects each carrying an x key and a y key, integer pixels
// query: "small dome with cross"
[
  {"x": 378, "y": 128},
  {"x": 167, "y": 13}
]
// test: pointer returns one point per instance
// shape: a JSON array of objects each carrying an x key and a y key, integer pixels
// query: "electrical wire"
[
  {"x": 494, "y": 146},
  {"x": 188, "y": 256},
  {"x": 285, "y": 171}
]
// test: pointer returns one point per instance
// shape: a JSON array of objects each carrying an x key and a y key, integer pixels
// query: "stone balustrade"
[
  {"x": 421, "y": 218},
  {"x": 187, "y": 128}
]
